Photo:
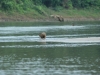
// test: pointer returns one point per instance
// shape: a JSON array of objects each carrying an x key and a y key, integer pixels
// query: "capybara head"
[{"x": 42, "y": 35}]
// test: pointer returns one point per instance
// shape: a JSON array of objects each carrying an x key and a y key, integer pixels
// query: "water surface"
[{"x": 67, "y": 49}]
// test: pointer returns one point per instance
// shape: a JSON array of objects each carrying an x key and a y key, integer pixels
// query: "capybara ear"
[{"x": 42, "y": 35}]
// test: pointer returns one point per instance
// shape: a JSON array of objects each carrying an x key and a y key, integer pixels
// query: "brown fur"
[
  {"x": 58, "y": 17},
  {"x": 42, "y": 35}
]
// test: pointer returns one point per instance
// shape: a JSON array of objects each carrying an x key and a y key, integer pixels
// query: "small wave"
[
  {"x": 49, "y": 45},
  {"x": 17, "y": 30},
  {"x": 48, "y": 39},
  {"x": 73, "y": 35}
]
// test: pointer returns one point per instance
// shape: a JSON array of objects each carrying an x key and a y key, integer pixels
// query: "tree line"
[{"x": 6, "y": 5}]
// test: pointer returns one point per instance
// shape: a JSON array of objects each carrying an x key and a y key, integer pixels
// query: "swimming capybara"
[{"x": 42, "y": 35}]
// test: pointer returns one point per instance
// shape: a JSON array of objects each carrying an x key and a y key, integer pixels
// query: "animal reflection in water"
[{"x": 42, "y": 36}]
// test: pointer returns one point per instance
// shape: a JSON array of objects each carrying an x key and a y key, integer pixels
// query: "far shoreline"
[{"x": 48, "y": 19}]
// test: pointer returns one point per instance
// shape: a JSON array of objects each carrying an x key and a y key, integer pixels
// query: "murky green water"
[{"x": 67, "y": 49}]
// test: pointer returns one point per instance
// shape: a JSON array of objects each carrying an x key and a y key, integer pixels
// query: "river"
[{"x": 67, "y": 50}]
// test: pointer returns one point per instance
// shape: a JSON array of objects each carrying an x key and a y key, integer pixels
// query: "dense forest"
[{"x": 18, "y": 5}]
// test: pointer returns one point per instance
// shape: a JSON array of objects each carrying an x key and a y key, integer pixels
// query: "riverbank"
[{"x": 68, "y": 15}]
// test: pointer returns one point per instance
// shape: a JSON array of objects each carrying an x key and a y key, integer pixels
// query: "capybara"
[{"x": 42, "y": 35}]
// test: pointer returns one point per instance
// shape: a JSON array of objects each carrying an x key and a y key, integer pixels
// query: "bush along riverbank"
[{"x": 49, "y": 10}]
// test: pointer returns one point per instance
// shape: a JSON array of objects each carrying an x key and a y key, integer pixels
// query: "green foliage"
[
  {"x": 7, "y": 4},
  {"x": 37, "y": 2},
  {"x": 85, "y": 3},
  {"x": 25, "y": 5},
  {"x": 67, "y": 4},
  {"x": 51, "y": 3},
  {"x": 39, "y": 9}
]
